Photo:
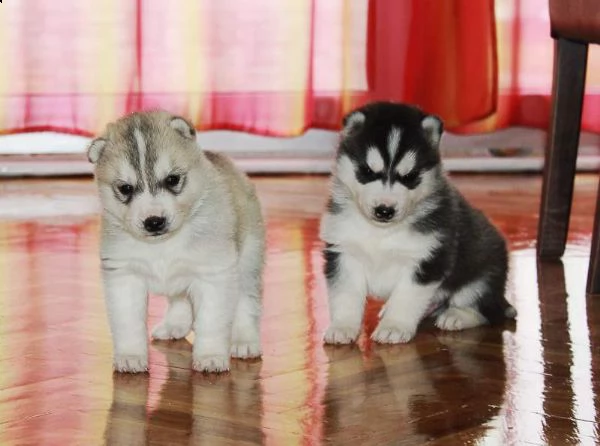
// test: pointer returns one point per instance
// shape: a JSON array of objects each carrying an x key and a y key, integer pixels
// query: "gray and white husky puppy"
[
  {"x": 181, "y": 222},
  {"x": 397, "y": 229}
]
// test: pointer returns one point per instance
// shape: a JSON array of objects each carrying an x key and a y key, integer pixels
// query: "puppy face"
[
  {"x": 147, "y": 170},
  {"x": 387, "y": 159}
]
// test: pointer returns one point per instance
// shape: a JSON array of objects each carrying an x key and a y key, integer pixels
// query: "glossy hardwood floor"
[{"x": 535, "y": 381}]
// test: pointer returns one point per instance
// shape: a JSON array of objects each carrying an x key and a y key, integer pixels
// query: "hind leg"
[
  {"x": 177, "y": 322},
  {"x": 456, "y": 318},
  {"x": 463, "y": 307},
  {"x": 245, "y": 336}
]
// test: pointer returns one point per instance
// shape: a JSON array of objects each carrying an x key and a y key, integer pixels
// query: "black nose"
[
  {"x": 155, "y": 224},
  {"x": 384, "y": 213}
]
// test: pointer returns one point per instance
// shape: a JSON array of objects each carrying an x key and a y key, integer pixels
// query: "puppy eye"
[
  {"x": 366, "y": 175},
  {"x": 366, "y": 169},
  {"x": 172, "y": 180},
  {"x": 410, "y": 180},
  {"x": 126, "y": 189}
]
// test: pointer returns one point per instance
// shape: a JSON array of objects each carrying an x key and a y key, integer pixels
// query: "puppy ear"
[
  {"x": 433, "y": 127},
  {"x": 352, "y": 121},
  {"x": 94, "y": 150},
  {"x": 183, "y": 127}
]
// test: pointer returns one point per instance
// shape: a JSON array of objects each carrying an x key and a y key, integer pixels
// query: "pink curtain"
[
  {"x": 252, "y": 65},
  {"x": 276, "y": 67}
]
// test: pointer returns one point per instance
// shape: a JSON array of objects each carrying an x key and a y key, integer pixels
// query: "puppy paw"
[
  {"x": 245, "y": 339},
  {"x": 454, "y": 319},
  {"x": 165, "y": 331},
  {"x": 341, "y": 335},
  {"x": 130, "y": 363},
  {"x": 245, "y": 350},
  {"x": 211, "y": 364},
  {"x": 393, "y": 333}
]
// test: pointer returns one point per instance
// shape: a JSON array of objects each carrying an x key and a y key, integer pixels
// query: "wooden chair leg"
[
  {"x": 561, "y": 152},
  {"x": 593, "y": 279}
]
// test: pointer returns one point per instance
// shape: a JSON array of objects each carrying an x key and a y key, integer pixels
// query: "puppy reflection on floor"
[
  {"x": 468, "y": 379},
  {"x": 181, "y": 411},
  {"x": 416, "y": 392}
]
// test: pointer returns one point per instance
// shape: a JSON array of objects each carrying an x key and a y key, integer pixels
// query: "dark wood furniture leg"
[
  {"x": 593, "y": 280},
  {"x": 561, "y": 153}
]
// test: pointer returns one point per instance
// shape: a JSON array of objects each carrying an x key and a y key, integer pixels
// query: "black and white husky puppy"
[{"x": 397, "y": 229}]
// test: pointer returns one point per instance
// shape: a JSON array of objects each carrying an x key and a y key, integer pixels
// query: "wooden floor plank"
[{"x": 535, "y": 381}]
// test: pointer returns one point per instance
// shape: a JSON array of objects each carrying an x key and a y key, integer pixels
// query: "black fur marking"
[
  {"x": 146, "y": 128},
  {"x": 333, "y": 207},
  {"x": 332, "y": 262},
  {"x": 474, "y": 250},
  {"x": 433, "y": 220},
  {"x": 212, "y": 156},
  {"x": 365, "y": 175},
  {"x": 133, "y": 156},
  {"x": 109, "y": 268},
  {"x": 411, "y": 180},
  {"x": 434, "y": 268},
  {"x": 105, "y": 267},
  {"x": 492, "y": 304},
  {"x": 380, "y": 119},
  {"x": 480, "y": 249}
]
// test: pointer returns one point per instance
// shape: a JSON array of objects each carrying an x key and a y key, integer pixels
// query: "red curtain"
[
  {"x": 440, "y": 55},
  {"x": 276, "y": 68}
]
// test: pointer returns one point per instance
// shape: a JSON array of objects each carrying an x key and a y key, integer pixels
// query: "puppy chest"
[
  {"x": 382, "y": 278},
  {"x": 169, "y": 277},
  {"x": 383, "y": 253},
  {"x": 168, "y": 281},
  {"x": 388, "y": 262},
  {"x": 394, "y": 243}
]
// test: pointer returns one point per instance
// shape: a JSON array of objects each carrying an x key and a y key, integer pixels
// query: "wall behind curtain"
[{"x": 275, "y": 67}]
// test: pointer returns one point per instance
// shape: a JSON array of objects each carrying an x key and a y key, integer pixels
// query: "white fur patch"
[
  {"x": 433, "y": 129},
  {"x": 374, "y": 160},
  {"x": 182, "y": 126},
  {"x": 394, "y": 141},
  {"x": 345, "y": 172},
  {"x": 163, "y": 165},
  {"x": 407, "y": 163},
  {"x": 95, "y": 149},
  {"x": 376, "y": 193},
  {"x": 469, "y": 294},
  {"x": 352, "y": 121},
  {"x": 141, "y": 145},
  {"x": 126, "y": 172},
  {"x": 455, "y": 318}
]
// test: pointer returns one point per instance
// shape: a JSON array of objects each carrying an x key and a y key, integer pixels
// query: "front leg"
[
  {"x": 403, "y": 311},
  {"x": 126, "y": 299},
  {"x": 177, "y": 322},
  {"x": 347, "y": 292},
  {"x": 214, "y": 300}
]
